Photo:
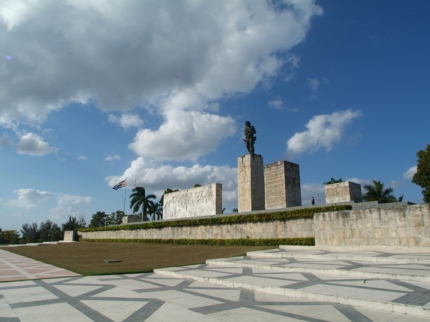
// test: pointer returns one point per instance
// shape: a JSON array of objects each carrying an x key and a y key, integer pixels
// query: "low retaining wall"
[
  {"x": 402, "y": 226},
  {"x": 397, "y": 226},
  {"x": 273, "y": 229}
]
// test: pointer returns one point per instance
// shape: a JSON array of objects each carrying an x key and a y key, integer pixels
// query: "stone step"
[
  {"x": 406, "y": 272},
  {"x": 391, "y": 295},
  {"x": 362, "y": 256}
]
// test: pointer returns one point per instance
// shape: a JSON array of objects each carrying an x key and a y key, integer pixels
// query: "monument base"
[
  {"x": 282, "y": 185},
  {"x": 250, "y": 182}
]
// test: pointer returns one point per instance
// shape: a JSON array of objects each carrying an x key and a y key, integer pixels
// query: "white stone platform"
[
  {"x": 390, "y": 282},
  {"x": 235, "y": 289}
]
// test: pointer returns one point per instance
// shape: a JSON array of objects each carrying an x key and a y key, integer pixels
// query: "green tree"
[
  {"x": 156, "y": 211},
  {"x": 422, "y": 176},
  {"x": 115, "y": 218},
  {"x": 9, "y": 237},
  {"x": 30, "y": 233},
  {"x": 235, "y": 210},
  {"x": 49, "y": 231},
  {"x": 73, "y": 223},
  {"x": 139, "y": 199},
  {"x": 333, "y": 180},
  {"x": 377, "y": 192},
  {"x": 99, "y": 219}
]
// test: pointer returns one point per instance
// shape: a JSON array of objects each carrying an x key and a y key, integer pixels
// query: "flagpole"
[{"x": 125, "y": 192}]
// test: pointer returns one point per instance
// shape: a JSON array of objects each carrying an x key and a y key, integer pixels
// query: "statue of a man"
[{"x": 250, "y": 138}]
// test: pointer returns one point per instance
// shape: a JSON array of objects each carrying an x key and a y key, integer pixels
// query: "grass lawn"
[{"x": 87, "y": 257}]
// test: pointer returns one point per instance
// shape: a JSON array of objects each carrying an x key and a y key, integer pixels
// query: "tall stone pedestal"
[
  {"x": 250, "y": 182},
  {"x": 282, "y": 185}
]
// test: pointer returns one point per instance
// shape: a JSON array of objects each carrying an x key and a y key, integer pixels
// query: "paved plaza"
[{"x": 286, "y": 284}]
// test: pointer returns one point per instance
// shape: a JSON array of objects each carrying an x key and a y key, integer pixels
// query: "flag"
[{"x": 120, "y": 185}]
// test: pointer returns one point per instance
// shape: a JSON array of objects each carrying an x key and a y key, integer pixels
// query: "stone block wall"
[
  {"x": 282, "y": 185},
  {"x": 250, "y": 183},
  {"x": 397, "y": 226},
  {"x": 69, "y": 236},
  {"x": 402, "y": 226},
  {"x": 131, "y": 218},
  {"x": 342, "y": 192},
  {"x": 194, "y": 202},
  {"x": 274, "y": 229}
]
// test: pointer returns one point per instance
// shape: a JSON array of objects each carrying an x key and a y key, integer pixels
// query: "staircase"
[{"x": 388, "y": 281}]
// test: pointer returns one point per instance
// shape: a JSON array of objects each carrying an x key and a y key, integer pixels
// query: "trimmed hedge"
[
  {"x": 236, "y": 219},
  {"x": 308, "y": 241}
]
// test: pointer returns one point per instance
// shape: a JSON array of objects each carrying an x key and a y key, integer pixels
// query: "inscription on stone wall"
[{"x": 194, "y": 202}]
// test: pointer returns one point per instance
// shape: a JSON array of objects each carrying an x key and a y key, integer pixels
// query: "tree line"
[{"x": 50, "y": 231}]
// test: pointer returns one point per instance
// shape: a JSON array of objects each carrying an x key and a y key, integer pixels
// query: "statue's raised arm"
[{"x": 250, "y": 137}]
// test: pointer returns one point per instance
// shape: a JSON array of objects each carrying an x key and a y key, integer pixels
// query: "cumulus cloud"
[
  {"x": 184, "y": 136},
  {"x": 322, "y": 131},
  {"x": 112, "y": 157},
  {"x": 33, "y": 144},
  {"x": 126, "y": 120},
  {"x": 82, "y": 157},
  {"x": 276, "y": 104},
  {"x": 157, "y": 177},
  {"x": 410, "y": 173},
  {"x": 28, "y": 198},
  {"x": 68, "y": 205},
  {"x": 167, "y": 56}
]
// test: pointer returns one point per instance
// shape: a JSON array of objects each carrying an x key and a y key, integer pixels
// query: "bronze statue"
[{"x": 250, "y": 138}]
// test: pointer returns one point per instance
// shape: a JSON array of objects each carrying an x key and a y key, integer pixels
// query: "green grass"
[{"x": 87, "y": 257}]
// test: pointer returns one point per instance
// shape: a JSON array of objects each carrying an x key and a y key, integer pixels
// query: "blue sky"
[{"x": 156, "y": 92}]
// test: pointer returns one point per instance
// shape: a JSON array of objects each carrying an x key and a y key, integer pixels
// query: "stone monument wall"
[
  {"x": 282, "y": 185},
  {"x": 273, "y": 229},
  {"x": 131, "y": 218},
  {"x": 401, "y": 226},
  {"x": 194, "y": 202},
  {"x": 342, "y": 192},
  {"x": 390, "y": 226},
  {"x": 69, "y": 236},
  {"x": 250, "y": 182}
]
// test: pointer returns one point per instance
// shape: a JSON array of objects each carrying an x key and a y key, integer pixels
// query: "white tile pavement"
[{"x": 160, "y": 297}]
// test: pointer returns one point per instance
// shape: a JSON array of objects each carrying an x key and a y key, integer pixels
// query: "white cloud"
[
  {"x": 82, "y": 157},
  {"x": 314, "y": 84},
  {"x": 410, "y": 173},
  {"x": 276, "y": 104},
  {"x": 69, "y": 205},
  {"x": 183, "y": 136},
  {"x": 28, "y": 198},
  {"x": 112, "y": 157},
  {"x": 157, "y": 177},
  {"x": 322, "y": 131},
  {"x": 126, "y": 120},
  {"x": 33, "y": 144},
  {"x": 293, "y": 109},
  {"x": 170, "y": 56}
]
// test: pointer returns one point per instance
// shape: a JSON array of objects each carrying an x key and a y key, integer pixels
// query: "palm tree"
[
  {"x": 378, "y": 193},
  {"x": 157, "y": 211},
  {"x": 140, "y": 199}
]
